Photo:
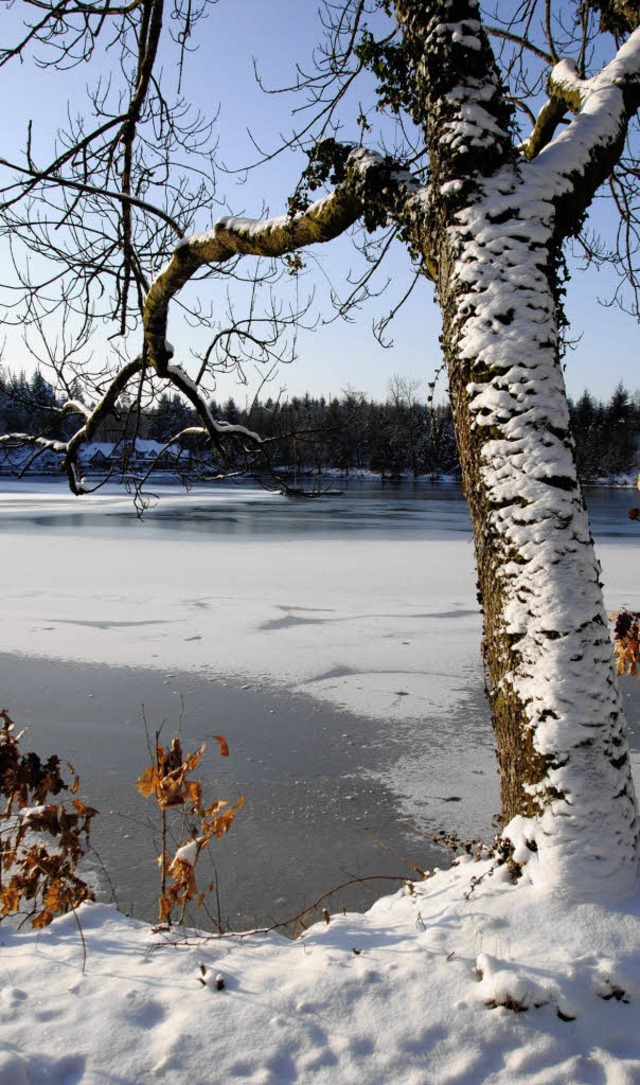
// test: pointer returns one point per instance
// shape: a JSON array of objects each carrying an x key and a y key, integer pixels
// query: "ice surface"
[{"x": 351, "y": 621}]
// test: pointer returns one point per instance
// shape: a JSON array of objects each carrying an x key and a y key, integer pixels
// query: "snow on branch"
[
  {"x": 566, "y": 84},
  {"x": 44, "y": 444},
  {"x": 371, "y": 187},
  {"x": 567, "y": 94},
  {"x": 322, "y": 221},
  {"x": 93, "y": 417},
  {"x": 214, "y": 427},
  {"x": 589, "y": 146}
]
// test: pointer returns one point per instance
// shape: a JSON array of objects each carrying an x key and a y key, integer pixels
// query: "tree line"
[{"x": 403, "y": 436}]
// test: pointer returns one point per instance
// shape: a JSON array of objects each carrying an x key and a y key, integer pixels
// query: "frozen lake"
[
  {"x": 334, "y": 641},
  {"x": 367, "y": 508}
]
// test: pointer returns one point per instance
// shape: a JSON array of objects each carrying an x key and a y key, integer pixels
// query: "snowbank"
[{"x": 437, "y": 985}]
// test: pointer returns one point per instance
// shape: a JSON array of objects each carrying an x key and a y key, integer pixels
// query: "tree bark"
[
  {"x": 566, "y": 788},
  {"x": 493, "y": 223}
]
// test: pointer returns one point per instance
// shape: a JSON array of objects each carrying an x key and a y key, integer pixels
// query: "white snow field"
[
  {"x": 313, "y": 615},
  {"x": 459, "y": 980},
  {"x": 433, "y": 986}
]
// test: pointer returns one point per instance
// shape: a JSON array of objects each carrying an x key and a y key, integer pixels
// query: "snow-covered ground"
[{"x": 426, "y": 987}]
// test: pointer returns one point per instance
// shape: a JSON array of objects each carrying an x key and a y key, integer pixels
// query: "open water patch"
[{"x": 313, "y": 778}]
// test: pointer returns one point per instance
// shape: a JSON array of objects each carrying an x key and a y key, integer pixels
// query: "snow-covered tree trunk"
[
  {"x": 489, "y": 226},
  {"x": 559, "y": 730}
]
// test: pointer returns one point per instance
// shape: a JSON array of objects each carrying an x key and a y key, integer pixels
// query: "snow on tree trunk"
[
  {"x": 564, "y": 767},
  {"x": 489, "y": 226}
]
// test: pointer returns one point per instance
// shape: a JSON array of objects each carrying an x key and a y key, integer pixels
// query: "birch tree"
[{"x": 485, "y": 209}]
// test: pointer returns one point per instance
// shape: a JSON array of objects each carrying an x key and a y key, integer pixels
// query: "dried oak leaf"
[
  {"x": 193, "y": 789},
  {"x": 42, "y": 919},
  {"x": 147, "y": 783},
  {"x": 224, "y": 747},
  {"x": 215, "y": 808},
  {"x": 10, "y": 899}
]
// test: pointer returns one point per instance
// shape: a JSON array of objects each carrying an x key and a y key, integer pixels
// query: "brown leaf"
[
  {"x": 84, "y": 811},
  {"x": 10, "y": 899},
  {"x": 170, "y": 793},
  {"x": 193, "y": 789},
  {"x": 222, "y": 823},
  {"x": 173, "y": 755},
  {"x": 215, "y": 808},
  {"x": 192, "y": 759},
  {"x": 47, "y": 820},
  {"x": 54, "y": 897},
  {"x": 166, "y": 904},
  {"x": 43, "y": 919},
  {"x": 75, "y": 783},
  {"x": 224, "y": 748},
  {"x": 147, "y": 784}
]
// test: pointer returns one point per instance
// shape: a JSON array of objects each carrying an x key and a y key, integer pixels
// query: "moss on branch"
[{"x": 373, "y": 188}]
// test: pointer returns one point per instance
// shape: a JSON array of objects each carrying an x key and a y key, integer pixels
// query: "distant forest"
[{"x": 404, "y": 436}]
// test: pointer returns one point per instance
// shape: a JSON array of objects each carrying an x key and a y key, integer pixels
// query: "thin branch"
[
  {"x": 523, "y": 43},
  {"x": 80, "y": 186}
]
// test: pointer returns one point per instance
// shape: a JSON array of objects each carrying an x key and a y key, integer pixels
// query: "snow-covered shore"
[{"x": 436, "y": 985}]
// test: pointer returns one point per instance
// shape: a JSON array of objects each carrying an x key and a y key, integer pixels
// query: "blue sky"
[{"x": 337, "y": 355}]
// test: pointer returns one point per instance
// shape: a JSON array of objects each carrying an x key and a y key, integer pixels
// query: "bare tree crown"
[{"x": 101, "y": 227}]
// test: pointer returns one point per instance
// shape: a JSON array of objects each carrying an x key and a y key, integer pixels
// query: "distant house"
[
  {"x": 100, "y": 456},
  {"x": 47, "y": 463},
  {"x": 163, "y": 461},
  {"x": 99, "y": 461}
]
